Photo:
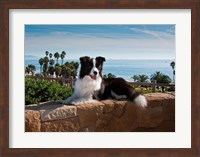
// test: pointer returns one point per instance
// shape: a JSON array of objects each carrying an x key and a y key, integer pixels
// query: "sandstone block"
[
  {"x": 151, "y": 117},
  {"x": 103, "y": 121},
  {"x": 58, "y": 113},
  {"x": 32, "y": 121},
  {"x": 119, "y": 108},
  {"x": 89, "y": 113},
  {"x": 127, "y": 122},
  {"x": 89, "y": 128},
  {"x": 169, "y": 110},
  {"x": 65, "y": 125},
  {"x": 166, "y": 126},
  {"x": 108, "y": 105}
]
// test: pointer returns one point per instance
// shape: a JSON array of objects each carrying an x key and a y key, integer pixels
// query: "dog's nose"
[{"x": 95, "y": 72}]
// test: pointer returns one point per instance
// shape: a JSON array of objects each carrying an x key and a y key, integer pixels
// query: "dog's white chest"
[{"x": 85, "y": 87}]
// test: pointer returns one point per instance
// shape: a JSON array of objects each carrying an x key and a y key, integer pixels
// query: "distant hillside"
[{"x": 31, "y": 57}]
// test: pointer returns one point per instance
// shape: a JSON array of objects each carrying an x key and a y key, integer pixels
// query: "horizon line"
[{"x": 112, "y": 59}]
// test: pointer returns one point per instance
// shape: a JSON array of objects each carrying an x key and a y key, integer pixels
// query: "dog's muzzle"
[{"x": 94, "y": 76}]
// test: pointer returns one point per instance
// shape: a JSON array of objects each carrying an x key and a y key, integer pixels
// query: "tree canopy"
[{"x": 160, "y": 78}]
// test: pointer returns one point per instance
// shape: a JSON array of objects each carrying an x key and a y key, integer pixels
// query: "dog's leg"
[
  {"x": 80, "y": 101},
  {"x": 67, "y": 101},
  {"x": 70, "y": 99},
  {"x": 118, "y": 97}
]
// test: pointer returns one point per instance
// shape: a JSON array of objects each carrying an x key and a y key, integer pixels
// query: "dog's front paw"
[
  {"x": 77, "y": 102},
  {"x": 64, "y": 101}
]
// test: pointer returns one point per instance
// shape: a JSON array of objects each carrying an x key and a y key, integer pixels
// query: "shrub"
[
  {"x": 143, "y": 91},
  {"x": 43, "y": 90}
]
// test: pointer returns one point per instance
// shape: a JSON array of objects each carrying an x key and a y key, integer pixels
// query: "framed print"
[{"x": 28, "y": 28}]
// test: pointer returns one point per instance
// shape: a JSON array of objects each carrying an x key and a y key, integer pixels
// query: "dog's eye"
[
  {"x": 99, "y": 67},
  {"x": 91, "y": 65}
]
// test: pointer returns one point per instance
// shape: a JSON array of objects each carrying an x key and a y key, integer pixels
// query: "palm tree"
[
  {"x": 27, "y": 70},
  {"x": 62, "y": 56},
  {"x": 32, "y": 68},
  {"x": 105, "y": 76},
  {"x": 64, "y": 71},
  {"x": 45, "y": 70},
  {"x": 46, "y": 60},
  {"x": 165, "y": 79},
  {"x": 51, "y": 70},
  {"x": 160, "y": 78},
  {"x": 67, "y": 64},
  {"x": 143, "y": 78},
  {"x": 156, "y": 76},
  {"x": 58, "y": 71},
  {"x": 172, "y": 64},
  {"x": 110, "y": 75},
  {"x": 45, "y": 66},
  {"x": 51, "y": 62},
  {"x": 74, "y": 73},
  {"x": 71, "y": 64},
  {"x": 76, "y": 65},
  {"x": 57, "y": 64},
  {"x": 57, "y": 55},
  {"x": 47, "y": 53},
  {"x": 68, "y": 72},
  {"x": 136, "y": 78},
  {"x": 41, "y": 62},
  {"x": 50, "y": 55}
]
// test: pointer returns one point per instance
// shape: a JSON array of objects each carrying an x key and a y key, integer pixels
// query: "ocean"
[{"x": 126, "y": 68}]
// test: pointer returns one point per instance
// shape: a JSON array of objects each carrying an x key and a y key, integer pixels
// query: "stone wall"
[{"x": 106, "y": 116}]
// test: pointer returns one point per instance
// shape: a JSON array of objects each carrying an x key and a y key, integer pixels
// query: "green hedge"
[{"x": 43, "y": 90}]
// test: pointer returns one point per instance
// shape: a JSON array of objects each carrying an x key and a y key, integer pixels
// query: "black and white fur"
[
  {"x": 89, "y": 80},
  {"x": 90, "y": 85}
]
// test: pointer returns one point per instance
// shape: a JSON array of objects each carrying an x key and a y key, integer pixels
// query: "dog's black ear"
[
  {"x": 84, "y": 59},
  {"x": 101, "y": 58}
]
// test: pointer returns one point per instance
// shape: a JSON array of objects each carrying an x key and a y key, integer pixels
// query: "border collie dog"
[{"x": 90, "y": 85}]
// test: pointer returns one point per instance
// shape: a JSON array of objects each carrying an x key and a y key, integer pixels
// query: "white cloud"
[
  {"x": 164, "y": 37},
  {"x": 75, "y": 43}
]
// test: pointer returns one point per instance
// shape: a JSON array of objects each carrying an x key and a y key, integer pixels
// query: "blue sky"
[{"x": 110, "y": 41}]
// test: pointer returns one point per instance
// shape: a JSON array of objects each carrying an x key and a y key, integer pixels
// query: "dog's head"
[{"x": 91, "y": 66}]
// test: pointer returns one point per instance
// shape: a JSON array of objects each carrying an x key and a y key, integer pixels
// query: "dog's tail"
[
  {"x": 140, "y": 101},
  {"x": 136, "y": 97}
]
